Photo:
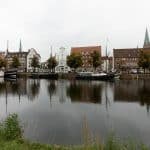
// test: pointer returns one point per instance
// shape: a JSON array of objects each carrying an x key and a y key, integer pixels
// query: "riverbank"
[
  {"x": 11, "y": 138},
  {"x": 71, "y": 76},
  {"x": 126, "y": 76}
]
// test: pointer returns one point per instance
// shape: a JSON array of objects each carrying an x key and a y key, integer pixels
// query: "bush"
[{"x": 10, "y": 128}]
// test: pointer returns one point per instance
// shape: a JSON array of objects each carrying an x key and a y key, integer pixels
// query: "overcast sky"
[{"x": 68, "y": 23}]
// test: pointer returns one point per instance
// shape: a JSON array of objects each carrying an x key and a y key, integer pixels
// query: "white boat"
[
  {"x": 1, "y": 73},
  {"x": 99, "y": 74}
]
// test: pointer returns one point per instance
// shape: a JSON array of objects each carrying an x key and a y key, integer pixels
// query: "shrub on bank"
[{"x": 10, "y": 128}]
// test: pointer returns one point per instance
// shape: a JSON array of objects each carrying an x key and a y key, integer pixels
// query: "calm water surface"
[{"x": 54, "y": 111}]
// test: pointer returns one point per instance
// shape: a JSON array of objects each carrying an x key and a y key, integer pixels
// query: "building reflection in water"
[
  {"x": 33, "y": 89},
  {"x": 51, "y": 89},
  {"x": 84, "y": 91},
  {"x": 133, "y": 91},
  {"x": 63, "y": 91},
  {"x": 9, "y": 88}
]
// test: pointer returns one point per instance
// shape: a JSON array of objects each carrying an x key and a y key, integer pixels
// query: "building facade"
[
  {"x": 125, "y": 58},
  {"x": 24, "y": 58},
  {"x": 86, "y": 52},
  {"x": 30, "y": 54},
  {"x": 62, "y": 61}
]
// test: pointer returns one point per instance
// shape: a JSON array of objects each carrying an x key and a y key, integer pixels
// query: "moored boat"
[
  {"x": 95, "y": 76},
  {"x": 1, "y": 73},
  {"x": 44, "y": 76},
  {"x": 11, "y": 73}
]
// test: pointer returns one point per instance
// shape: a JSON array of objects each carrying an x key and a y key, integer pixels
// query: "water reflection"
[
  {"x": 133, "y": 91},
  {"x": 82, "y": 91},
  {"x": 34, "y": 89},
  {"x": 13, "y": 87},
  {"x": 54, "y": 110}
]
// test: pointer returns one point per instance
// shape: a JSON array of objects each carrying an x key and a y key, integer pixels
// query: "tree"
[
  {"x": 15, "y": 62},
  {"x": 3, "y": 62},
  {"x": 52, "y": 63},
  {"x": 144, "y": 60},
  {"x": 74, "y": 61},
  {"x": 35, "y": 63},
  {"x": 95, "y": 61}
]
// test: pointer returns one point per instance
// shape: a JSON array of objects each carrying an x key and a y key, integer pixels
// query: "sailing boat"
[{"x": 108, "y": 71}]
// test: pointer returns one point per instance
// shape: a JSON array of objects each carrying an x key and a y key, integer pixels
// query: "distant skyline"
[{"x": 41, "y": 24}]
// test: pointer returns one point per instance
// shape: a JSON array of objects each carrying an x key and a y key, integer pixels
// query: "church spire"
[
  {"x": 20, "y": 46},
  {"x": 7, "y": 47},
  {"x": 51, "y": 52},
  {"x": 146, "y": 40}
]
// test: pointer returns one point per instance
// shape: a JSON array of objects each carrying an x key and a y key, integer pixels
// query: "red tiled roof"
[
  {"x": 125, "y": 53},
  {"x": 86, "y": 49}
]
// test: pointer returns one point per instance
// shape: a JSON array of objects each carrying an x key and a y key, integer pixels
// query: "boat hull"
[
  {"x": 10, "y": 74},
  {"x": 44, "y": 76},
  {"x": 100, "y": 77}
]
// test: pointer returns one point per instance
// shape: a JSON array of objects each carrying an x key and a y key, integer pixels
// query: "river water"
[{"x": 56, "y": 111}]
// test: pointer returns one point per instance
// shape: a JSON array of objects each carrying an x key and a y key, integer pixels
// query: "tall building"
[
  {"x": 86, "y": 52},
  {"x": 62, "y": 61},
  {"x": 146, "y": 40}
]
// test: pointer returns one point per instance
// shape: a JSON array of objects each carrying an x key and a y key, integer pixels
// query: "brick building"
[
  {"x": 125, "y": 58},
  {"x": 86, "y": 55}
]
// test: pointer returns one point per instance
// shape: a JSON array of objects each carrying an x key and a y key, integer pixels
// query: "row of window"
[{"x": 126, "y": 59}]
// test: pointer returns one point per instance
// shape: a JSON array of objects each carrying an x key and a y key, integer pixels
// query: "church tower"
[
  {"x": 20, "y": 46},
  {"x": 7, "y": 50},
  {"x": 146, "y": 40}
]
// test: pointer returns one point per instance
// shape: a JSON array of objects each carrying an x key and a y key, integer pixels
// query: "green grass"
[{"x": 11, "y": 139}]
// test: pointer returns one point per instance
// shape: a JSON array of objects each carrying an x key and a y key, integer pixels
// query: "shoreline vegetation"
[{"x": 11, "y": 138}]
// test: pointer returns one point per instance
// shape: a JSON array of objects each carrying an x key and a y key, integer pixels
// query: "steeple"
[
  {"x": 7, "y": 47},
  {"x": 51, "y": 52},
  {"x": 146, "y": 40},
  {"x": 20, "y": 46}
]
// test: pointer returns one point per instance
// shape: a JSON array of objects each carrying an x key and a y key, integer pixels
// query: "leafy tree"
[
  {"x": 74, "y": 61},
  {"x": 35, "y": 63},
  {"x": 3, "y": 62},
  {"x": 15, "y": 62},
  {"x": 52, "y": 63},
  {"x": 144, "y": 60},
  {"x": 95, "y": 61}
]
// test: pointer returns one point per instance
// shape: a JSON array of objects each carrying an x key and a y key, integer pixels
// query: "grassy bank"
[{"x": 11, "y": 139}]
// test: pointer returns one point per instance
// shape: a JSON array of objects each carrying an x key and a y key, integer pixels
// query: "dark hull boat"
[
  {"x": 10, "y": 74},
  {"x": 95, "y": 76},
  {"x": 44, "y": 76}
]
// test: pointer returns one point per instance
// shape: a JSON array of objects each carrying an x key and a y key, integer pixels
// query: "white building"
[
  {"x": 62, "y": 61},
  {"x": 32, "y": 53}
]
